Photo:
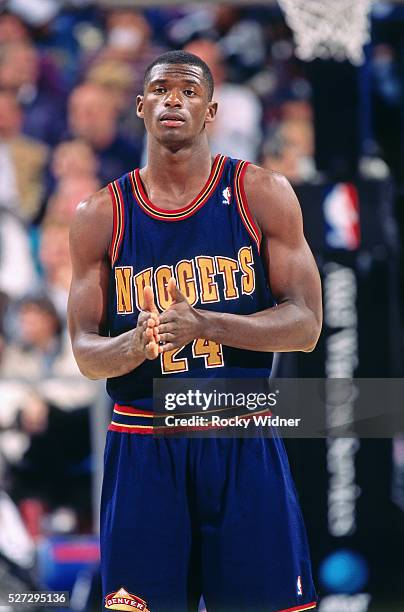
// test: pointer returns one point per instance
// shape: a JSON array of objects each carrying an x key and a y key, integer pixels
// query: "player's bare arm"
[
  {"x": 295, "y": 323},
  {"x": 97, "y": 355}
]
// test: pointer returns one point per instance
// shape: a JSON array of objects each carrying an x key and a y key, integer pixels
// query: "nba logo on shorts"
[
  {"x": 226, "y": 193},
  {"x": 299, "y": 585}
]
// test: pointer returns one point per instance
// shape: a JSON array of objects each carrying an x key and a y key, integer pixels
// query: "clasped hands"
[{"x": 178, "y": 325}]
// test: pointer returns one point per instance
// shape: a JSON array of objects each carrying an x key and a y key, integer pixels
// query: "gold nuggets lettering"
[
  {"x": 197, "y": 279},
  {"x": 141, "y": 280},
  {"x": 186, "y": 279},
  {"x": 123, "y": 286}
]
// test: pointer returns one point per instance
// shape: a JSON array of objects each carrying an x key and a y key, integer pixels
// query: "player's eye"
[
  {"x": 189, "y": 92},
  {"x": 160, "y": 90}
]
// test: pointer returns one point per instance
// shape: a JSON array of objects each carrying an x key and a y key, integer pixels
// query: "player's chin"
[{"x": 174, "y": 137}]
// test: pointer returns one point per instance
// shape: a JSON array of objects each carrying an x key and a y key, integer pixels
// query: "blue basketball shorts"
[{"x": 185, "y": 517}]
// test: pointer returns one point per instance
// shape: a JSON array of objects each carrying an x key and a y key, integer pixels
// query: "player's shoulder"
[
  {"x": 96, "y": 206},
  {"x": 92, "y": 224},
  {"x": 270, "y": 197},
  {"x": 259, "y": 179}
]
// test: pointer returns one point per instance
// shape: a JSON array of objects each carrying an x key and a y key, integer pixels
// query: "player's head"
[
  {"x": 186, "y": 59},
  {"x": 177, "y": 97}
]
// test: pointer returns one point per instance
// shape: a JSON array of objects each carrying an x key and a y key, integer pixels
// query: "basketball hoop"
[{"x": 326, "y": 29}]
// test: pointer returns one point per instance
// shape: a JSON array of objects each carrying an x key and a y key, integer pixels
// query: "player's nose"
[{"x": 173, "y": 99}]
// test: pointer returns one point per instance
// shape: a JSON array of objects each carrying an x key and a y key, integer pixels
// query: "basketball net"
[{"x": 326, "y": 29}]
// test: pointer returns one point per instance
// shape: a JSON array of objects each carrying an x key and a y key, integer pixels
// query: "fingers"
[
  {"x": 174, "y": 292},
  {"x": 146, "y": 316},
  {"x": 150, "y": 344},
  {"x": 152, "y": 323},
  {"x": 152, "y": 350},
  {"x": 157, "y": 329},
  {"x": 168, "y": 337},
  {"x": 170, "y": 326},
  {"x": 148, "y": 320},
  {"x": 167, "y": 316},
  {"x": 150, "y": 333},
  {"x": 168, "y": 346},
  {"x": 147, "y": 325},
  {"x": 148, "y": 303},
  {"x": 167, "y": 332}
]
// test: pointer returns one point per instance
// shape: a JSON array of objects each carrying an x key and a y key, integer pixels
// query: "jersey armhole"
[
  {"x": 242, "y": 204},
  {"x": 118, "y": 221}
]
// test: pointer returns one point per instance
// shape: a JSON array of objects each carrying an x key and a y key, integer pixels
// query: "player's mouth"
[{"x": 172, "y": 119}]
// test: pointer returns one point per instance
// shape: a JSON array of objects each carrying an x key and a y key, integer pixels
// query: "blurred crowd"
[{"x": 69, "y": 75}]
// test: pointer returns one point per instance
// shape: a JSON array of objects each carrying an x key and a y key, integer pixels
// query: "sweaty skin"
[{"x": 175, "y": 108}]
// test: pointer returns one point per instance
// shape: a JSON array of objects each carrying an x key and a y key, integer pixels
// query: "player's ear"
[
  {"x": 211, "y": 112},
  {"x": 139, "y": 106}
]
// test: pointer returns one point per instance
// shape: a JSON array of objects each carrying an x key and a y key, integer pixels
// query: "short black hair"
[
  {"x": 182, "y": 57},
  {"x": 43, "y": 302}
]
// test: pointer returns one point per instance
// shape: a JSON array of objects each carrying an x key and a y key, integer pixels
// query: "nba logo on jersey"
[
  {"x": 226, "y": 193},
  {"x": 299, "y": 585}
]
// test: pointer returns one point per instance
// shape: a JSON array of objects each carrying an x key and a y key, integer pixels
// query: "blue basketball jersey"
[
  {"x": 213, "y": 516},
  {"x": 212, "y": 248}
]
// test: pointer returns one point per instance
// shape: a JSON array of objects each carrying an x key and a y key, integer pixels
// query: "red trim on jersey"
[
  {"x": 115, "y": 220},
  {"x": 245, "y": 203},
  {"x": 186, "y": 211},
  {"x": 122, "y": 212},
  {"x": 242, "y": 204},
  {"x": 118, "y": 222}
]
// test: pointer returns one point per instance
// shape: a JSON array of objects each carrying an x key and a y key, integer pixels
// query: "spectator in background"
[
  {"x": 42, "y": 102},
  {"x": 12, "y": 29},
  {"x": 41, "y": 351},
  {"x": 74, "y": 158},
  {"x": 70, "y": 191},
  {"x": 54, "y": 257},
  {"x": 119, "y": 79},
  {"x": 34, "y": 414},
  {"x": 299, "y": 133},
  {"x": 290, "y": 147},
  {"x": 242, "y": 40},
  {"x": 74, "y": 167},
  {"x": 129, "y": 41},
  {"x": 38, "y": 346},
  {"x": 283, "y": 152},
  {"x": 22, "y": 162},
  {"x": 236, "y": 130},
  {"x": 295, "y": 109},
  {"x": 93, "y": 117},
  {"x": 241, "y": 34},
  {"x": 280, "y": 156},
  {"x": 17, "y": 270},
  {"x": 51, "y": 477},
  {"x": 44, "y": 459}
]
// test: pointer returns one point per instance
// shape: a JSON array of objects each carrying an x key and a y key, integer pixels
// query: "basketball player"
[{"x": 192, "y": 266}]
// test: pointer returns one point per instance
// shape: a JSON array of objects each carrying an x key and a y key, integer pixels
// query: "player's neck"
[{"x": 166, "y": 168}]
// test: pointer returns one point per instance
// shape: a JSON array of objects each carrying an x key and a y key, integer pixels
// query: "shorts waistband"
[
  {"x": 301, "y": 608},
  {"x": 128, "y": 419}
]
